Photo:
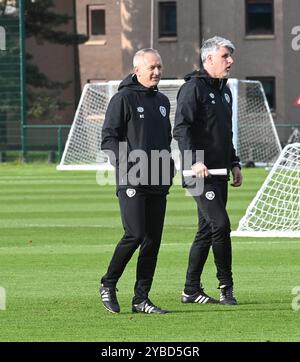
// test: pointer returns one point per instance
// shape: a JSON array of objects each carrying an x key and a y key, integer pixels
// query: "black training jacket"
[
  {"x": 203, "y": 120},
  {"x": 138, "y": 116}
]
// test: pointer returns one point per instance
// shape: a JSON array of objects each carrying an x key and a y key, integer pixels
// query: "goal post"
[
  {"x": 82, "y": 151},
  {"x": 275, "y": 210},
  {"x": 83, "y": 147},
  {"x": 254, "y": 133}
]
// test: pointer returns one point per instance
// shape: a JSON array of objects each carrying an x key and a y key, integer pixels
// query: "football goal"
[
  {"x": 254, "y": 133},
  {"x": 275, "y": 210}
]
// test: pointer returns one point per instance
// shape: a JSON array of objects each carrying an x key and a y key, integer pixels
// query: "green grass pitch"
[{"x": 57, "y": 234}]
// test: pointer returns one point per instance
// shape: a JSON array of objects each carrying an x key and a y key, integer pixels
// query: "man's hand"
[
  {"x": 237, "y": 177},
  {"x": 200, "y": 169}
]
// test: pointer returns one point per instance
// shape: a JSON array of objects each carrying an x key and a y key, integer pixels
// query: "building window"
[
  {"x": 96, "y": 21},
  {"x": 259, "y": 17},
  {"x": 268, "y": 84},
  {"x": 167, "y": 19}
]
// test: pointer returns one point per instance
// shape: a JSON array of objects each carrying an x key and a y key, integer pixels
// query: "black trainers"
[
  {"x": 226, "y": 295},
  {"x": 198, "y": 297},
  {"x": 109, "y": 299},
  {"x": 147, "y": 307}
]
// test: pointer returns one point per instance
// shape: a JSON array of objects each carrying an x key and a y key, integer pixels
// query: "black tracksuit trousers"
[
  {"x": 213, "y": 230},
  {"x": 143, "y": 218}
]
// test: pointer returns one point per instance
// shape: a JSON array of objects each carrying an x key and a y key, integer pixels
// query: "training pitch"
[{"x": 57, "y": 234}]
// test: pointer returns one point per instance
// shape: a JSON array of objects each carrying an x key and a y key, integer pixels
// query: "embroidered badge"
[
  {"x": 130, "y": 192},
  {"x": 163, "y": 111},
  {"x": 227, "y": 97},
  {"x": 210, "y": 195}
]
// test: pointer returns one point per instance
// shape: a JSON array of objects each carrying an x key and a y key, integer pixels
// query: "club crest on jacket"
[
  {"x": 210, "y": 195},
  {"x": 227, "y": 97},
  {"x": 130, "y": 192},
  {"x": 163, "y": 111}
]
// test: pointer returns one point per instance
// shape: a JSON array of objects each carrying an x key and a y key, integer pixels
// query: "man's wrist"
[{"x": 236, "y": 164}]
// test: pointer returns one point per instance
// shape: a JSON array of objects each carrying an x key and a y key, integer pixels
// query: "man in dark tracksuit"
[
  {"x": 203, "y": 122},
  {"x": 138, "y": 117}
]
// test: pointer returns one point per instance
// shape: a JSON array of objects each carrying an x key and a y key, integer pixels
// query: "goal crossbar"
[
  {"x": 266, "y": 234},
  {"x": 254, "y": 134}
]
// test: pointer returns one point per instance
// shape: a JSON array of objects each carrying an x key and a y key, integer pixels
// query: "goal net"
[
  {"x": 275, "y": 210},
  {"x": 255, "y": 136}
]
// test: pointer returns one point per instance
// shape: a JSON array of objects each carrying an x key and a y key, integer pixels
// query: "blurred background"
[{"x": 49, "y": 49}]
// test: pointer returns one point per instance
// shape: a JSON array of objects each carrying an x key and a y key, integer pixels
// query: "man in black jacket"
[
  {"x": 136, "y": 135},
  {"x": 203, "y": 121}
]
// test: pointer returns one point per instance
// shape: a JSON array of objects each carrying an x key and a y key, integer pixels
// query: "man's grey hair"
[
  {"x": 139, "y": 55},
  {"x": 212, "y": 45}
]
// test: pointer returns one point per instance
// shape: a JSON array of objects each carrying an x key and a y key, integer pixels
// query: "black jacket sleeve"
[
  {"x": 186, "y": 114},
  {"x": 114, "y": 127},
  {"x": 235, "y": 161}
]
